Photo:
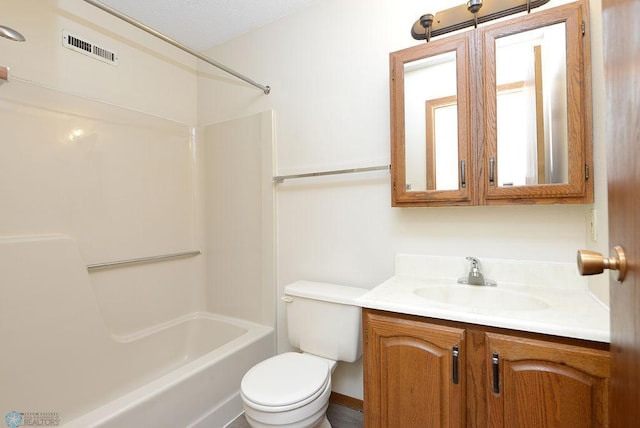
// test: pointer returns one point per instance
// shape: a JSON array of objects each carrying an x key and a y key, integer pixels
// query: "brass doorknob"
[{"x": 591, "y": 262}]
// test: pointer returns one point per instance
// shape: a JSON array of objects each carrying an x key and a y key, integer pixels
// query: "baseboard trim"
[{"x": 345, "y": 400}]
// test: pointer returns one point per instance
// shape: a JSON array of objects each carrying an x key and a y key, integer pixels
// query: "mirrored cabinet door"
[
  {"x": 536, "y": 126},
  {"x": 430, "y": 124}
]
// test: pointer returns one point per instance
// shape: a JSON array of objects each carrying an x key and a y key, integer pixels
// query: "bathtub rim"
[
  {"x": 165, "y": 325},
  {"x": 116, "y": 407}
]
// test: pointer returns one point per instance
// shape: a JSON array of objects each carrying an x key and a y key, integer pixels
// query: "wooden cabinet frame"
[{"x": 477, "y": 106}]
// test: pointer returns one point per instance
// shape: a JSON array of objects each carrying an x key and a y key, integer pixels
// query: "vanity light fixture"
[
  {"x": 474, "y": 6},
  {"x": 456, "y": 18},
  {"x": 426, "y": 21}
]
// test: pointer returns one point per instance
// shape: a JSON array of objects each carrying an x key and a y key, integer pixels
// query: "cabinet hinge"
[
  {"x": 365, "y": 336},
  {"x": 586, "y": 172},
  {"x": 393, "y": 74},
  {"x": 583, "y": 26}
]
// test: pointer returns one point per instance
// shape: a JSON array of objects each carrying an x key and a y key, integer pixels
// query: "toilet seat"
[{"x": 285, "y": 382}]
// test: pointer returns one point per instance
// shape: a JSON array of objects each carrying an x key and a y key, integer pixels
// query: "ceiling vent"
[{"x": 87, "y": 47}]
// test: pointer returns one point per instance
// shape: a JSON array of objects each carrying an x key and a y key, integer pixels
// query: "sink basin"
[{"x": 485, "y": 298}]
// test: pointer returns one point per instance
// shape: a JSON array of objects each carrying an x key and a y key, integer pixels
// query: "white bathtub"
[
  {"x": 62, "y": 363},
  {"x": 200, "y": 386}
]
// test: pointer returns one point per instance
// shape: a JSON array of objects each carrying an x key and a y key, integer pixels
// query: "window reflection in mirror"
[
  {"x": 531, "y": 84},
  {"x": 442, "y": 143},
  {"x": 431, "y": 124}
]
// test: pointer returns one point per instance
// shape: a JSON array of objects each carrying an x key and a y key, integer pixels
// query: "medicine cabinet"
[{"x": 496, "y": 115}]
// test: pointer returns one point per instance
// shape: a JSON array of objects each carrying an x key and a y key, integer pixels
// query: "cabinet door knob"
[{"x": 592, "y": 263}]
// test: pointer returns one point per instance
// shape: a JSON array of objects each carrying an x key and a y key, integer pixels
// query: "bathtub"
[
  {"x": 62, "y": 365},
  {"x": 197, "y": 385}
]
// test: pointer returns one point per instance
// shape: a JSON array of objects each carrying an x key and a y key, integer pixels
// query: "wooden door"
[
  {"x": 622, "y": 91},
  {"x": 411, "y": 376},
  {"x": 539, "y": 384}
]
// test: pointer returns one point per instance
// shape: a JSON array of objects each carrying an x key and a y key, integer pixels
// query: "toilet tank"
[{"x": 323, "y": 319}]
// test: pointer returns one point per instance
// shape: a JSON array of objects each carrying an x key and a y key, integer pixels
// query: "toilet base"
[
  {"x": 323, "y": 423},
  {"x": 316, "y": 420}
]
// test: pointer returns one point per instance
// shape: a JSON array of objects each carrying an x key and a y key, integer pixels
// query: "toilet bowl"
[
  {"x": 292, "y": 390},
  {"x": 289, "y": 390}
]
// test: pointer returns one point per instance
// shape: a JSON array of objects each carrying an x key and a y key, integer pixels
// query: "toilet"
[{"x": 292, "y": 389}]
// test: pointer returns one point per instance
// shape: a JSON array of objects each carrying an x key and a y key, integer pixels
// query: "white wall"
[
  {"x": 152, "y": 77},
  {"x": 328, "y": 69}
]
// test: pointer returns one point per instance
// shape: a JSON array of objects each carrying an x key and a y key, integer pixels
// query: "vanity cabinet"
[
  {"x": 413, "y": 373},
  {"x": 422, "y": 372},
  {"x": 537, "y": 384},
  {"x": 496, "y": 115}
]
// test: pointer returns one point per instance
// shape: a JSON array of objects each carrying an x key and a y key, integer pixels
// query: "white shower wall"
[
  {"x": 103, "y": 154},
  {"x": 140, "y": 178},
  {"x": 235, "y": 165}
]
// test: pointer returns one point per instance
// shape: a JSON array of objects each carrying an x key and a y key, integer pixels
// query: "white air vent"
[{"x": 87, "y": 47}]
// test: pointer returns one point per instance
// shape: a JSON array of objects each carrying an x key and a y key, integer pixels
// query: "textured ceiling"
[{"x": 200, "y": 24}]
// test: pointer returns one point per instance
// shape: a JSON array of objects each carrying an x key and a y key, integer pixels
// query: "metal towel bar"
[
  {"x": 142, "y": 260},
  {"x": 281, "y": 178}
]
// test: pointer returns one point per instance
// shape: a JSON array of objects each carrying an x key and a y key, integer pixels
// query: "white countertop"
[{"x": 560, "y": 311}]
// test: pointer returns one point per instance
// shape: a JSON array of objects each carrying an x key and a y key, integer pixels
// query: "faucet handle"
[
  {"x": 474, "y": 262},
  {"x": 475, "y": 277}
]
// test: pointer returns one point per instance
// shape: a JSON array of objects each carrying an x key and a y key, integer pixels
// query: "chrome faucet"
[{"x": 475, "y": 277}]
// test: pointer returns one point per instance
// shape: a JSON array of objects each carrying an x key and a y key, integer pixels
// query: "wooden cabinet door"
[
  {"x": 544, "y": 384},
  {"x": 415, "y": 144},
  {"x": 546, "y": 176},
  {"x": 409, "y": 373}
]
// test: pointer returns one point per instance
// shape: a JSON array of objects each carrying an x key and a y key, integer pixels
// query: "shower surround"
[{"x": 86, "y": 182}]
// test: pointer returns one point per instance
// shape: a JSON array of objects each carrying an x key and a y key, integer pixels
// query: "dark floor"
[
  {"x": 339, "y": 416},
  {"x": 344, "y": 417}
]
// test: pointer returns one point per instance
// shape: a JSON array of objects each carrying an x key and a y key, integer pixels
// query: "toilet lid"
[{"x": 285, "y": 379}]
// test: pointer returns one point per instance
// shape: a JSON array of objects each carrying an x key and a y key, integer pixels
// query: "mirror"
[
  {"x": 431, "y": 123},
  {"x": 531, "y": 114},
  {"x": 531, "y": 107}
]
